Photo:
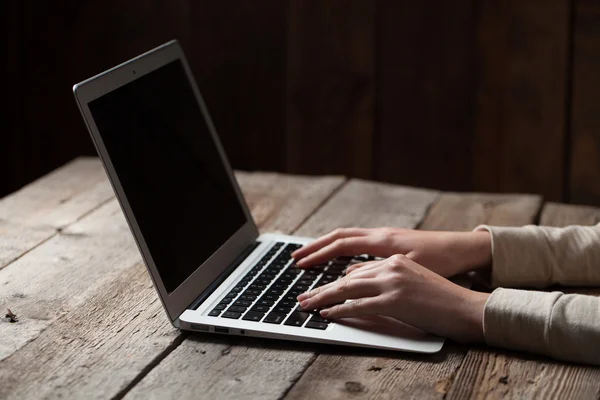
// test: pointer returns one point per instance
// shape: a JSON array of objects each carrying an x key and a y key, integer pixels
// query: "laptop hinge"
[{"x": 212, "y": 287}]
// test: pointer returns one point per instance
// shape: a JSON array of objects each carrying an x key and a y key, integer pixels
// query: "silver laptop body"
[{"x": 212, "y": 270}]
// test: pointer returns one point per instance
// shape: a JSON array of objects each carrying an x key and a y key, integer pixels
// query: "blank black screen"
[{"x": 170, "y": 170}]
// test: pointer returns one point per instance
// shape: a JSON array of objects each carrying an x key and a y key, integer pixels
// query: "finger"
[
  {"x": 355, "y": 267},
  {"x": 348, "y": 246},
  {"x": 326, "y": 240},
  {"x": 344, "y": 289},
  {"x": 366, "y": 272},
  {"x": 356, "y": 308}
]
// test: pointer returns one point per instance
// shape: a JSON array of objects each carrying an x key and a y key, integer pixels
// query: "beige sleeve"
[
  {"x": 539, "y": 256},
  {"x": 563, "y": 326}
]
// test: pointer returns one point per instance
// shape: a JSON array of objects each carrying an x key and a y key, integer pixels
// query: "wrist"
[
  {"x": 476, "y": 250},
  {"x": 472, "y": 318}
]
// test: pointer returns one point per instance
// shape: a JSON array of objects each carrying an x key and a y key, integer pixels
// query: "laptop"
[{"x": 212, "y": 269}]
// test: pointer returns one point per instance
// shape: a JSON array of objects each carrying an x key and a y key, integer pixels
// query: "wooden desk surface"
[{"x": 91, "y": 325}]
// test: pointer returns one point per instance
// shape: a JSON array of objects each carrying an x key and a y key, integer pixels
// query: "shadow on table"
[{"x": 448, "y": 350}]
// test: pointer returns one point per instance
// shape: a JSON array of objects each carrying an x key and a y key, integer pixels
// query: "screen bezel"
[{"x": 176, "y": 302}]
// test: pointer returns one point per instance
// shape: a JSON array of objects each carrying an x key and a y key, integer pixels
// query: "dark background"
[{"x": 477, "y": 95}]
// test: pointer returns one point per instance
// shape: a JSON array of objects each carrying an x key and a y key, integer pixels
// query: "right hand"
[{"x": 446, "y": 253}]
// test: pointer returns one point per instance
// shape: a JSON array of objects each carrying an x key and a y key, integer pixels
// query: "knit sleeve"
[
  {"x": 538, "y": 256},
  {"x": 562, "y": 326}
]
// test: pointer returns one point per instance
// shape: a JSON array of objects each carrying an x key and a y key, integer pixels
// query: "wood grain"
[
  {"x": 498, "y": 373},
  {"x": 249, "y": 368},
  {"x": 520, "y": 114},
  {"x": 425, "y": 93},
  {"x": 585, "y": 126},
  {"x": 331, "y": 84},
  {"x": 87, "y": 289},
  {"x": 38, "y": 211},
  {"x": 557, "y": 214},
  {"x": 464, "y": 211},
  {"x": 369, "y": 204},
  {"x": 344, "y": 374}
]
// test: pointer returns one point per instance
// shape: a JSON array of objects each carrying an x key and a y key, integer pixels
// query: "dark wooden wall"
[{"x": 478, "y": 95}]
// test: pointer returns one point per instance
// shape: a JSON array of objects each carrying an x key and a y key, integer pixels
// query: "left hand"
[{"x": 400, "y": 288}]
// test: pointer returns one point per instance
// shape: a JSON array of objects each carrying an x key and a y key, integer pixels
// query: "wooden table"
[{"x": 91, "y": 325}]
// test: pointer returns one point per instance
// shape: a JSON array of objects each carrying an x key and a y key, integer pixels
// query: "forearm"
[{"x": 554, "y": 324}]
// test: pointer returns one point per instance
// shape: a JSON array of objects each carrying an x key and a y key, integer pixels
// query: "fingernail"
[
  {"x": 300, "y": 263},
  {"x": 324, "y": 313},
  {"x": 304, "y": 303},
  {"x": 302, "y": 296}
]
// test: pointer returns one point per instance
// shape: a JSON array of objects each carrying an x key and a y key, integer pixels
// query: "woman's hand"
[
  {"x": 446, "y": 253},
  {"x": 400, "y": 288}
]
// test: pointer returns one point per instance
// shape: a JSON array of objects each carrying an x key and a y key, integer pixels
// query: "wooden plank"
[
  {"x": 343, "y": 374},
  {"x": 585, "y": 108},
  {"x": 464, "y": 211},
  {"x": 251, "y": 368},
  {"x": 35, "y": 213},
  {"x": 86, "y": 300},
  {"x": 369, "y": 205},
  {"x": 33, "y": 204},
  {"x": 522, "y": 66},
  {"x": 556, "y": 214},
  {"x": 330, "y": 87},
  {"x": 425, "y": 93},
  {"x": 56, "y": 276},
  {"x": 498, "y": 373}
]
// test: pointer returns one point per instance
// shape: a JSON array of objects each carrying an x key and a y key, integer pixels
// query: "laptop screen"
[{"x": 170, "y": 169}]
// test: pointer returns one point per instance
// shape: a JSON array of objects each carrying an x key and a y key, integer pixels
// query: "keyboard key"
[
  {"x": 249, "y": 297},
  {"x": 242, "y": 303},
  {"x": 253, "y": 316},
  {"x": 319, "y": 268},
  {"x": 227, "y": 300},
  {"x": 287, "y": 303},
  {"x": 237, "y": 309},
  {"x": 253, "y": 292},
  {"x": 257, "y": 286},
  {"x": 274, "y": 318},
  {"x": 269, "y": 296},
  {"x": 263, "y": 302},
  {"x": 297, "y": 318},
  {"x": 214, "y": 313},
  {"x": 262, "y": 309},
  {"x": 278, "y": 287},
  {"x": 306, "y": 282},
  {"x": 335, "y": 271},
  {"x": 282, "y": 309},
  {"x": 293, "y": 271},
  {"x": 317, "y": 318},
  {"x": 220, "y": 306},
  {"x": 231, "y": 314},
  {"x": 316, "y": 325}
]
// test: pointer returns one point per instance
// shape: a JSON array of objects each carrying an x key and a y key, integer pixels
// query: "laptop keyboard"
[{"x": 268, "y": 292}]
